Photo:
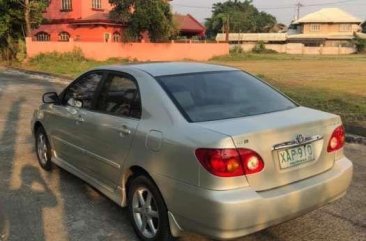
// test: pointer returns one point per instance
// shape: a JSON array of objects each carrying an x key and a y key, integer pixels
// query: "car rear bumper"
[{"x": 236, "y": 213}]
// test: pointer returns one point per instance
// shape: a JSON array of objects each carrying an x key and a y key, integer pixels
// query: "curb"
[
  {"x": 26, "y": 71},
  {"x": 355, "y": 139}
]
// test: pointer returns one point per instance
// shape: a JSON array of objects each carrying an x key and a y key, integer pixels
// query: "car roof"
[{"x": 169, "y": 68}]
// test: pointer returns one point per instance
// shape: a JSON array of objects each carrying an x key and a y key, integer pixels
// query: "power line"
[{"x": 273, "y": 8}]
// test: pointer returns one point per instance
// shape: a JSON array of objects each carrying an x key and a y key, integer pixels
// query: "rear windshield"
[{"x": 222, "y": 95}]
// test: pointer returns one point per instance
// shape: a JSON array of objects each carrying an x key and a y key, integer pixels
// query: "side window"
[
  {"x": 83, "y": 90},
  {"x": 120, "y": 96}
]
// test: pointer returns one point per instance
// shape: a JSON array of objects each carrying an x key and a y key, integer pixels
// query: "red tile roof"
[{"x": 187, "y": 23}]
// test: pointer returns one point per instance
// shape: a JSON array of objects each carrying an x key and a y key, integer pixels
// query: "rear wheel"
[
  {"x": 147, "y": 211},
  {"x": 43, "y": 149}
]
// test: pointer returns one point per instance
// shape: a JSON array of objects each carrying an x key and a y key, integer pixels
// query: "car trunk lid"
[{"x": 278, "y": 137}]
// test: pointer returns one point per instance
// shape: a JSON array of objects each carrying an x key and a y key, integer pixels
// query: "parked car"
[{"x": 193, "y": 147}]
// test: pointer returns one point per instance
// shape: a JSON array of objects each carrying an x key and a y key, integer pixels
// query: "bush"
[
  {"x": 69, "y": 64},
  {"x": 74, "y": 56},
  {"x": 360, "y": 44},
  {"x": 260, "y": 48},
  {"x": 22, "y": 51},
  {"x": 236, "y": 50}
]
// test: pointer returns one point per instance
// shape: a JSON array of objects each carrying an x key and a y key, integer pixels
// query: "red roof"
[{"x": 187, "y": 23}]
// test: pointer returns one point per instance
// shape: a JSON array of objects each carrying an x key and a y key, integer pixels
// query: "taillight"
[
  {"x": 230, "y": 162},
  {"x": 252, "y": 162},
  {"x": 337, "y": 140}
]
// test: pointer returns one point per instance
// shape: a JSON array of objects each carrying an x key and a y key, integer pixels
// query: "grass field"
[{"x": 331, "y": 83}]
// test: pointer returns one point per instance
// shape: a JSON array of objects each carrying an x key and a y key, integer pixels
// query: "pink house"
[
  {"x": 82, "y": 20},
  {"x": 88, "y": 21}
]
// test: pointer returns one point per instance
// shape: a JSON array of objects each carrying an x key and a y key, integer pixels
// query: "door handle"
[
  {"x": 79, "y": 119},
  {"x": 124, "y": 131}
]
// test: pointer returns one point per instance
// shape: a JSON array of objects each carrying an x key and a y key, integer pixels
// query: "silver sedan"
[{"x": 193, "y": 147}]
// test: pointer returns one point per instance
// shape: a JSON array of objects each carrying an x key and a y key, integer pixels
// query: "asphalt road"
[{"x": 35, "y": 205}]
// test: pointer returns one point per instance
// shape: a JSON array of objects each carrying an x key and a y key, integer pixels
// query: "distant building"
[
  {"x": 328, "y": 27},
  {"x": 88, "y": 21},
  {"x": 189, "y": 27},
  {"x": 331, "y": 27},
  {"x": 238, "y": 38},
  {"x": 82, "y": 20}
]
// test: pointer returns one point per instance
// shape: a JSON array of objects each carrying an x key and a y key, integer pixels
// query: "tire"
[
  {"x": 149, "y": 219},
  {"x": 43, "y": 149}
]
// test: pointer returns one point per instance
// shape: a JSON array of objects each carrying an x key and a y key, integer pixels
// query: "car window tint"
[
  {"x": 83, "y": 89},
  {"x": 120, "y": 96},
  {"x": 222, "y": 95}
]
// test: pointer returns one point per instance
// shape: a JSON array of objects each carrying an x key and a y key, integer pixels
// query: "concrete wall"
[
  {"x": 299, "y": 48},
  {"x": 140, "y": 51}
]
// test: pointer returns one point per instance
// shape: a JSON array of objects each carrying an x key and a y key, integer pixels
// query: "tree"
[
  {"x": 360, "y": 44},
  {"x": 17, "y": 19},
  {"x": 153, "y": 17},
  {"x": 239, "y": 17}
]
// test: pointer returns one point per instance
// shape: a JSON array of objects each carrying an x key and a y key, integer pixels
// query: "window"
[
  {"x": 42, "y": 36},
  {"x": 345, "y": 28},
  {"x": 97, "y": 4},
  {"x": 64, "y": 37},
  {"x": 66, "y": 5},
  {"x": 116, "y": 37},
  {"x": 222, "y": 95},
  {"x": 83, "y": 90},
  {"x": 314, "y": 27},
  {"x": 120, "y": 96}
]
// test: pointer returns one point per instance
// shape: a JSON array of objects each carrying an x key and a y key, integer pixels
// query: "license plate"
[{"x": 296, "y": 156}]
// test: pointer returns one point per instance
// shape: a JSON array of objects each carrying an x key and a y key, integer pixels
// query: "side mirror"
[{"x": 51, "y": 98}]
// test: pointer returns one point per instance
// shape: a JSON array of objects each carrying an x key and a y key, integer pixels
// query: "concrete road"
[{"x": 35, "y": 205}]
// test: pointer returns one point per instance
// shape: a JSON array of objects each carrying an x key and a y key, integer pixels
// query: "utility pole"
[
  {"x": 299, "y": 5},
  {"x": 28, "y": 27},
  {"x": 226, "y": 26}
]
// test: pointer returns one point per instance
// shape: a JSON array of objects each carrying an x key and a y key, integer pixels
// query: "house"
[
  {"x": 331, "y": 27},
  {"x": 82, "y": 20},
  {"x": 88, "y": 21},
  {"x": 328, "y": 27},
  {"x": 188, "y": 26}
]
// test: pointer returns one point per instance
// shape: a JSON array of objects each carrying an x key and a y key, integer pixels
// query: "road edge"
[{"x": 33, "y": 72}]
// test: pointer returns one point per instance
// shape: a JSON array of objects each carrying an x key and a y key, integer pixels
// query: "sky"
[{"x": 283, "y": 10}]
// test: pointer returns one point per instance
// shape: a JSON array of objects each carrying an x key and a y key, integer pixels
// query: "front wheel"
[
  {"x": 43, "y": 149},
  {"x": 147, "y": 211}
]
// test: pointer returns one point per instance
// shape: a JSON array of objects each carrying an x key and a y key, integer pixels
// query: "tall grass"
[{"x": 69, "y": 64}]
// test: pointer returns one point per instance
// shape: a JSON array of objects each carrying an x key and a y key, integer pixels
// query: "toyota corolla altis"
[{"x": 193, "y": 147}]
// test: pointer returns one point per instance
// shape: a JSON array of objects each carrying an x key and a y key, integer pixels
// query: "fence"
[
  {"x": 136, "y": 51},
  {"x": 299, "y": 48}
]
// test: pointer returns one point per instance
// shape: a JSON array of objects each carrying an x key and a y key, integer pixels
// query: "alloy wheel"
[
  {"x": 42, "y": 149},
  {"x": 145, "y": 212}
]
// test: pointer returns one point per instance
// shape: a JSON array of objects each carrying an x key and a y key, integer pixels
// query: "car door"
[
  {"x": 111, "y": 127},
  {"x": 65, "y": 120}
]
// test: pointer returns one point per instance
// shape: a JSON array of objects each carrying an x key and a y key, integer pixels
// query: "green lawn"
[{"x": 331, "y": 83}]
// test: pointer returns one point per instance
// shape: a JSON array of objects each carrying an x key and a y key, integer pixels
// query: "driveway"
[{"x": 36, "y": 205}]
